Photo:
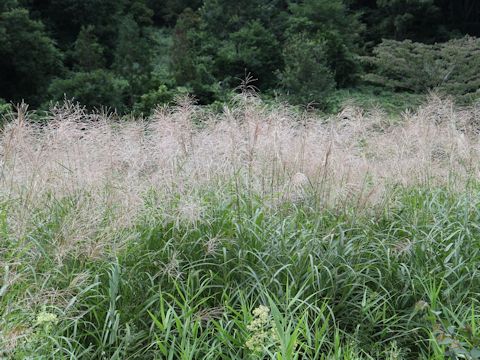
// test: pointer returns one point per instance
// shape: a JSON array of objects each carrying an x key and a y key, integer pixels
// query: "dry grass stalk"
[{"x": 107, "y": 165}]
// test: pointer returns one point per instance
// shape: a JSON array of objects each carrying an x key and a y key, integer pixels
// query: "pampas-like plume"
[{"x": 184, "y": 151}]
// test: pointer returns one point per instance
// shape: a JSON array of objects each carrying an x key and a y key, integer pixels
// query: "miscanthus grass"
[{"x": 257, "y": 233}]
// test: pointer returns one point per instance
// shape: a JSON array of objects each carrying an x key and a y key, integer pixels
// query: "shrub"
[
  {"x": 306, "y": 77},
  {"x": 5, "y": 109},
  {"x": 331, "y": 23},
  {"x": 162, "y": 95},
  {"x": 374, "y": 97},
  {"x": 252, "y": 48},
  {"x": 93, "y": 89},
  {"x": 450, "y": 67},
  {"x": 28, "y": 57}
]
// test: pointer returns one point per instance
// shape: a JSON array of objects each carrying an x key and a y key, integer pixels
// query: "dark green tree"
[
  {"x": 331, "y": 23},
  {"x": 307, "y": 77},
  {"x": 28, "y": 56},
  {"x": 191, "y": 65},
  {"x": 183, "y": 48},
  {"x": 452, "y": 67},
  {"x": 6, "y": 5},
  {"x": 224, "y": 41},
  {"x": 461, "y": 16},
  {"x": 88, "y": 54},
  {"x": 409, "y": 19},
  {"x": 417, "y": 20},
  {"x": 253, "y": 49},
  {"x": 132, "y": 57},
  {"x": 142, "y": 14},
  {"x": 65, "y": 18},
  {"x": 94, "y": 89},
  {"x": 166, "y": 12}
]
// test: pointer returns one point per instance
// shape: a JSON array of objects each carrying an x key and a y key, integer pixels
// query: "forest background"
[{"x": 132, "y": 55}]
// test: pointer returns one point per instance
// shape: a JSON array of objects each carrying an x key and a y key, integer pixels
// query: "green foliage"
[
  {"x": 331, "y": 23},
  {"x": 183, "y": 61},
  {"x": 88, "y": 54},
  {"x": 6, "y": 5},
  {"x": 418, "y": 20},
  {"x": 4, "y": 107},
  {"x": 208, "y": 46},
  {"x": 450, "y": 67},
  {"x": 133, "y": 58},
  {"x": 252, "y": 49},
  {"x": 161, "y": 96},
  {"x": 190, "y": 68},
  {"x": 161, "y": 60},
  {"x": 374, "y": 97},
  {"x": 461, "y": 64},
  {"x": 28, "y": 57},
  {"x": 94, "y": 89},
  {"x": 404, "y": 65},
  {"x": 223, "y": 43},
  {"x": 307, "y": 77},
  {"x": 247, "y": 281},
  {"x": 220, "y": 18},
  {"x": 65, "y": 18},
  {"x": 167, "y": 12},
  {"x": 142, "y": 14}
]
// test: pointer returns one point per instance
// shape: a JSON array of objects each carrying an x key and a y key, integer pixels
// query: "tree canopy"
[{"x": 128, "y": 51}]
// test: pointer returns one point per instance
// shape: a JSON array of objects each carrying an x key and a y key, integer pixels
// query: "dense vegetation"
[
  {"x": 245, "y": 236},
  {"x": 232, "y": 223},
  {"x": 135, "y": 54}
]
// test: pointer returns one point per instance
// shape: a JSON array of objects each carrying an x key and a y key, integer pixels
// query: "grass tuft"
[{"x": 257, "y": 233}]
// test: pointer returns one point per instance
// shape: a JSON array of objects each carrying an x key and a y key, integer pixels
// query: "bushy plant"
[
  {"x": 330, "y": 22},
  {"x": 28, "y": 57},
  {"x": 257, "y": 233},
  {"x": 94, "y": 89},
  {"x": 5, "y": 107},
  {"x": 188, "y": 66},
  {"x": 461, "y": 66},
  {"x": 452, "y": 67},
  {"x": 254, "y": 49},
  {"x": 132, "y": 59},
  {"x": 160, "y": 96},
  {"x": 307, "y": 77},
  {"x": 374, "y": 97},
  {"x": 88, "y": 54},
  {"x": 404, "y": 65}
]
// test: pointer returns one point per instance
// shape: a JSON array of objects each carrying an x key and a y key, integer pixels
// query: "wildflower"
[
  {"x": 46, "y": 318},
  {"x": 262, "y": 329},
  {"x": 256, "y": 342},
  {"x": 262, "y": 312}
]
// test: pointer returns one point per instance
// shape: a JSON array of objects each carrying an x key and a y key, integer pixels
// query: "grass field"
[{"x": 258, "y": 233}]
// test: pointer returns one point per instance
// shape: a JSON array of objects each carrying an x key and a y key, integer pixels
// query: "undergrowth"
[
  {"x": 254, "y": 234},
  {"x": 243, "y": 281}
]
